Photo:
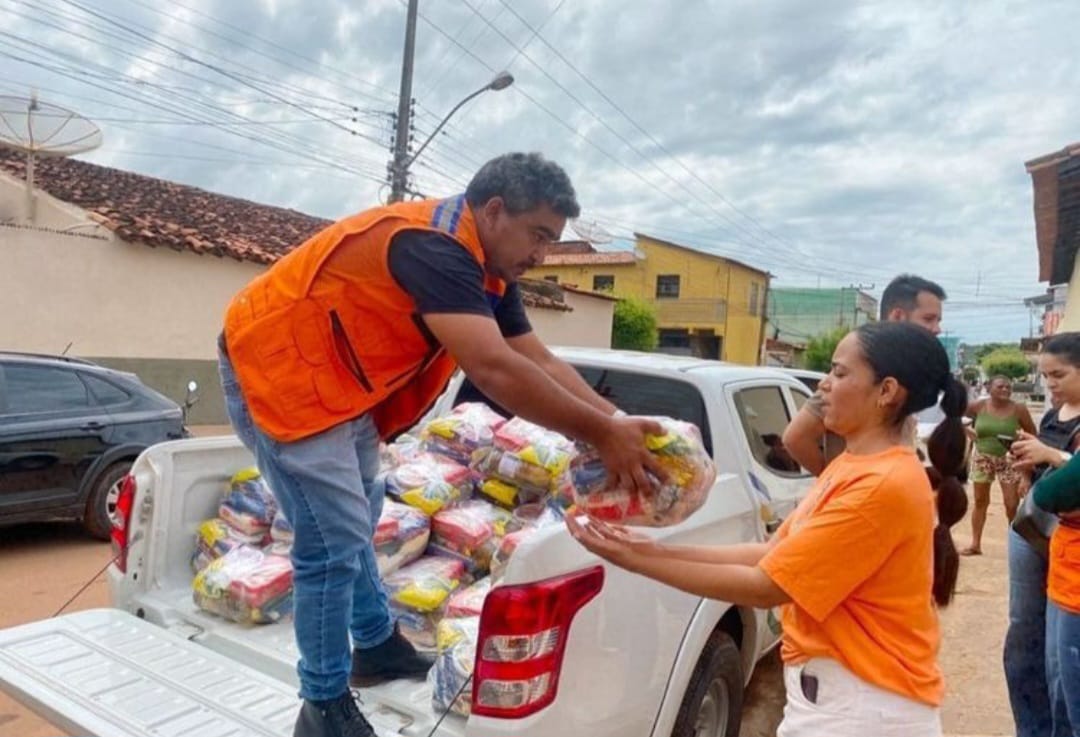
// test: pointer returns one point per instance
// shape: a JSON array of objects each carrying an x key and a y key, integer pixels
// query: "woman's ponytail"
[{"x": 947, "y": 448}]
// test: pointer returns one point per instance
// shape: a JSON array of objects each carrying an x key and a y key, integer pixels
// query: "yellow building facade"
[{"x": 706, "y": 305}]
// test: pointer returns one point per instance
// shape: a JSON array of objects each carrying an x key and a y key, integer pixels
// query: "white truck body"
[{"x": 156, "y": 664}]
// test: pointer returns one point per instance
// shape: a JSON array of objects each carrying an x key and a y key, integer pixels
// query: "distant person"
[
  {"x": 907, "y": 298},
  {"x": 996, "y": 417}
]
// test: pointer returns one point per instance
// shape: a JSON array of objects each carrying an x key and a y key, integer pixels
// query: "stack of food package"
[{"x": 242, "y": 569}]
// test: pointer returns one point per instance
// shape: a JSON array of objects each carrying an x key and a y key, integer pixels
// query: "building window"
[
  {"x": 754, "y": 296},
  {"x": 667, "y": 286},
  {"x": 553, "y": 278},
  {"x": 603, "y": 283}
]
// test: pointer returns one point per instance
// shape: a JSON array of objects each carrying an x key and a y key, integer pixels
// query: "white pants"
[{"x": 847, "y": 706}]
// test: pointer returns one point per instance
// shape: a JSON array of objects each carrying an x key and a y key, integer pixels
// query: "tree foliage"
[
  {"x": 634, "y": 327},
  {"x": 820, "y": 349},
  {"x": 1008, "y": 361}
]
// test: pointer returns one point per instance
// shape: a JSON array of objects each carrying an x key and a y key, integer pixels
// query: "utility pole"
[{"x": 399, "y": 172}]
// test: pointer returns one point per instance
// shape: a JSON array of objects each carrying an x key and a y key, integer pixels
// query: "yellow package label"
[
  {"x": 500, "y": 491},
  {"x": 246, "y": 474}
]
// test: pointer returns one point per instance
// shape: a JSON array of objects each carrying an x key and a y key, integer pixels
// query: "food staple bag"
[
  {"x": 527, "y": 461},
  {"x": 246, "y": 585},
  {"x": 469, "y": 601},
  {"x": 418, "y": 594},
  {"x": 456, "y": 645},
  {"x": 470, "y": 530},
  {"x": 690, "y": 471},
  {"x": 216, "y": 537},
  {"x": 249, "y": 505},
  {"x": 467, "y": 429},
  {"x": 429, "y": 483},
  {"x": 400, "y": 536}
]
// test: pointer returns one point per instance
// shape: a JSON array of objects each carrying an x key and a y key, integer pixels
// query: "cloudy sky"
[{"x": 831, "y": 142}]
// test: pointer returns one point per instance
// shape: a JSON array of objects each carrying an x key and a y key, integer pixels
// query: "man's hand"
[{"x": 625, "y": 456}]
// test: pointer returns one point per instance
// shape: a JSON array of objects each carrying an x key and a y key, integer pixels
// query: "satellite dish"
[
  {"x": 41, "y": 130},
  {"x": 591, "y": 231}
]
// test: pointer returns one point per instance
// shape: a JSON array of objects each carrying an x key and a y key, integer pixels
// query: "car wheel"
[
  {"x": 712, "y": 704},
  {"x": 101, "y": 505}
]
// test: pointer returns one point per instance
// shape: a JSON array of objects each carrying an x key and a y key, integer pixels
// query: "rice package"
[
  {"x": 469, "y": 601},
  {"x": 690, "y": 471},
  {"x": 246, "y": 585},
  {"x": 456, "y": 644},
  {"x": 470, "y": 530},
  {"x": 527, "y": 461},
  {"x": 248, "y": 506},
  {"x": 418, "y": 594},
  {"x": 468, "y": 428},
  {"x": 216, "y": 537},
  {"x": 545, "y": 515},
  {"x": 429, "y": 483},
  {"x": 400, "y": 536}
]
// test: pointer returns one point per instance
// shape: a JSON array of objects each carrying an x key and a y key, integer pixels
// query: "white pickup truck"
[{"x": 635, "y": 659}]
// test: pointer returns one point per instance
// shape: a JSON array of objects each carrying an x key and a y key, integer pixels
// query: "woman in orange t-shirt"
[{"x": 862, "y": 560}]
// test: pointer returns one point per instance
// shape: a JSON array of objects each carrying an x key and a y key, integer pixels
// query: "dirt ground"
[{"x": 44, "y": 565}]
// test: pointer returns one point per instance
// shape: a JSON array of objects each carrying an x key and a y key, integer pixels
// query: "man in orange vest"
[{"x": 349, "y": 339}]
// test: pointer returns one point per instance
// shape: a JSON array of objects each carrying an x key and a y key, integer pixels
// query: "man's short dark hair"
[
  {"x": 524, "y": 182},
  {"x": 903, "y": 292}
]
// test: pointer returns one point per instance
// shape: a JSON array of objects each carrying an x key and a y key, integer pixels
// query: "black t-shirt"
[{"x": 442, "y": 278}]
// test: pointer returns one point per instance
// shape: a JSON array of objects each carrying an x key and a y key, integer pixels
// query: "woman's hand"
[
  {"x": 614, "y": 544},
  {"x": 1029, "y": 451}
]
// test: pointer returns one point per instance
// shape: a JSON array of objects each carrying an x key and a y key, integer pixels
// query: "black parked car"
[{"x": 69, "y": 432}]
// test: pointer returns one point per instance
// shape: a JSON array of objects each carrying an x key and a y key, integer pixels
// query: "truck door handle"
[
  {"x": 773, "y": 525},
  {"x": 93, "y": 425}
]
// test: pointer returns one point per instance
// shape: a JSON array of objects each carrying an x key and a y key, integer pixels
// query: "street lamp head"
[{"x": 501, "y": 82}]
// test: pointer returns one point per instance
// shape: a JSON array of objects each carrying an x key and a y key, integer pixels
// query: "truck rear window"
[{"x": 635, "y": 394}]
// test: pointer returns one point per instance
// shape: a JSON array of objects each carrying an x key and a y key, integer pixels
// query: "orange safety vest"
[
  {"x": 312, "y": 354},
  {"x": 1063, "y": 580}
]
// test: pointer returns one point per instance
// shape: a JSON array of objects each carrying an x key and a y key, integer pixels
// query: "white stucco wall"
[
  {"x": 588, "y": 325},
  {"x": 105, "y": 296}
]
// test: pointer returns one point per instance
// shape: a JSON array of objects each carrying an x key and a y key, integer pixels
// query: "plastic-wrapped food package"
[
  {"x": 528, "y": 461},
  {"x": 690, "y": 471},
  {"x": 281, "y": 531},
  {"x": 418, "y": 594},
  {"x": 246, "y": 585},
  {"x": 400, "y": 536},
  {"x": 461, "y": 433},
  {"x": 470, "y": 530},
  {"x": 429, "y": 483},
  {"x": 469, "y": 601},
  {"x": 248, "y": 506},
  {"x": 404, "y": 449},
  {"x": 214, "y": 538},
  {"x": 456, "y": 643},
  {"x": 538, "y": 517}
]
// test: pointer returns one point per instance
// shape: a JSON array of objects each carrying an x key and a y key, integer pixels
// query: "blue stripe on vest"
[
  {"x": 438, "y": 214},
  {"x": 455, "y": 218}
]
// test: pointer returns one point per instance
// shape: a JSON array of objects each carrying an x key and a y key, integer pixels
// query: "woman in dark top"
[{"x": 1025, "y": 641}]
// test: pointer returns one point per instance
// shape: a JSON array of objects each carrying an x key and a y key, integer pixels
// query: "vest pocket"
[{"x": 346, "y": 352}]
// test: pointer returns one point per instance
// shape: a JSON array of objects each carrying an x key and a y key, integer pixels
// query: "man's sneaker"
[
  {"x": 393, "y": 659},
  {"x": 338, "y": 717}
]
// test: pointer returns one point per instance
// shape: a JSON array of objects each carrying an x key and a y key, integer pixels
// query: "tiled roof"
[
  {"x": 156, "y": 212},
  {"x": 564, "y": 247},
  {"x": 590, "y": 259},
  {"x": 543, "y": 294}
]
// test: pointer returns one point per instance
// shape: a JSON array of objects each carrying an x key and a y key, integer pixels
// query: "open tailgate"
[{"x": 107, "y": 673}]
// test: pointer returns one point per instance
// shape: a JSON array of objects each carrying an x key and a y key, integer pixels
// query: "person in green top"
[{"x": 995, "y": 417}]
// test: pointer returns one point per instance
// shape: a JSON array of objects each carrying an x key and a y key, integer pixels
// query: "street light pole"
[{"x": 402, "y": 160}]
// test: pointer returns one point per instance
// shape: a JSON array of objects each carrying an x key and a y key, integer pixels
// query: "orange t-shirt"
[
  {"x": 1063, "y": 581},
  {"x": 856, "y": 558}
]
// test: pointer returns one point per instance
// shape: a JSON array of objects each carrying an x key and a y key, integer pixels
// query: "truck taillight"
[
  {"x": 523, "y": 633},
  {"x": 121, "y": 522}
]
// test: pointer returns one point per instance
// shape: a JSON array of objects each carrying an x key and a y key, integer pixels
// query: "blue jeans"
[
  {"x": 325, "y": 486},
  {"x": 1063, "y": 668},
  {"x": 1025, "y": 642}
]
